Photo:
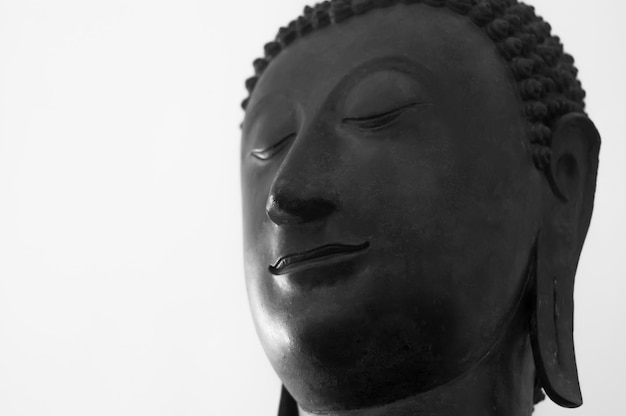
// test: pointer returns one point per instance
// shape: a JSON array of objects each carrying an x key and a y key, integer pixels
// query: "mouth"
[{"x": 316, "y": 256}]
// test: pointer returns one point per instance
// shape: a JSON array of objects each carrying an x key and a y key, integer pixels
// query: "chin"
[{"x": 354, "y": 360}]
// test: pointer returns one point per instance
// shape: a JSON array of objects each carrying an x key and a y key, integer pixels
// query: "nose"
[
  {"x": 284, "y": 207},
  {"x": 304, "y": 189}
]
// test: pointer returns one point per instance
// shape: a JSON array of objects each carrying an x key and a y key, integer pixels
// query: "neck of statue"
[{"x": 502, "y": 384}]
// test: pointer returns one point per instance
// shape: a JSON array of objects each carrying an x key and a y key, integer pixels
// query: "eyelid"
[
  {"x": 391, "y": 115},
  {"x": 269, "y": 152}
]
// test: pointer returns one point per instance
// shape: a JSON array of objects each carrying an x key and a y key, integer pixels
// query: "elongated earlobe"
[
  {"x": 552, "y": 332},
  {"x": 568, "y": 204}
]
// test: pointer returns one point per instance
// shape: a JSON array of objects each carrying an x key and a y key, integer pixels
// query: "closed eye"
[
  {"x": 269, "y": 152},
  {"x": 379, "y": 120}
]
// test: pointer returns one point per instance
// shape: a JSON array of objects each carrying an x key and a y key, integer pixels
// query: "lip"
[{"x": 315, "y": 257}]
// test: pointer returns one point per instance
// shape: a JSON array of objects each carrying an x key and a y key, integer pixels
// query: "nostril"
[
  {"x": 284, "y": 209},
  {"x": 311, "y": 209}
]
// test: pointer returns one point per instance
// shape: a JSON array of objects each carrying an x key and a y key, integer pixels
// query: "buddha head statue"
[{"x": 418, "y": 179}]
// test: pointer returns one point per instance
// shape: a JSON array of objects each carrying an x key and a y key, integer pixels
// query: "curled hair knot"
[
  {"x": 481, "y": 14},
  {"x": 286, "y": 36},
  {"x": 498, "y": 6},
  {"x": 340, "y": 11},
  {"x": 542, "y": 158},
  {"x": 529, "y": 42},
  {"x": 362, "y": 6},
  {"x": 536, "y": 111},
  {"x": 384, "y": 3},
  {"x": 511, "y": 47},
  {"x": 435, "y": 3},
  {"x": 522, "y": 67},
  {"x": 576, "y": 94},
  {"x": 540, "y": 134},
  {"x": 304, "y": 25},
  {"x": 325, "y": 6},
  {"x": 563, "y": 78},
  {"x": 523, "y": 11},
  {"x": 550, "y": 52},
  {"x": 514, "y": 20},
  {"x": 531, "y": 89},
  {"x": 548, "y": 84},
  {"x": 259, "y": 65},
  {"x": 498, "y": 29},
  {"x": 272, "y": 49},
  {"x": 250, "y": 83},
  {"x": 321, "y": 18},
  {"x": 460, "y": 6},
  {"x": 556, "y": 106},
  {"x": 569, "y": 60},
  {"x": 540, "y": 29}
]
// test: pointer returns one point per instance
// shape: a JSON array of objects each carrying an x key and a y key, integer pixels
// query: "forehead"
[{"x": 449, "y": 54}]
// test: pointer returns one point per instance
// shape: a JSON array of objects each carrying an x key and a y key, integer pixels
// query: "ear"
[{"x": 568, "y": 204}]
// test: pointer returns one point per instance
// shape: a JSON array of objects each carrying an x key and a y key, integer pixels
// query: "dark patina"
[{"x": 417, "y": 185}]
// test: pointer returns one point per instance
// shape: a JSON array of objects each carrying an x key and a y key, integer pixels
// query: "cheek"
[{"x": 455, "y": 241}]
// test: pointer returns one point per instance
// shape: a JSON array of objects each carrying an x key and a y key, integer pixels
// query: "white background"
[{"x": 121, "y": 284}]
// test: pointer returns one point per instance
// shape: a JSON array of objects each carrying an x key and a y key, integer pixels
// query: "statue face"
[{"x": 385, "y": 162}]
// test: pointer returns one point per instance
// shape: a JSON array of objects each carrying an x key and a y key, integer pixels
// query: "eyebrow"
[
  {"x": 415, "y": 70},
  {"x": 401, "y": 63},
  {"x": 252, "y": 112},
  {"x": 420, "y": 72}
]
